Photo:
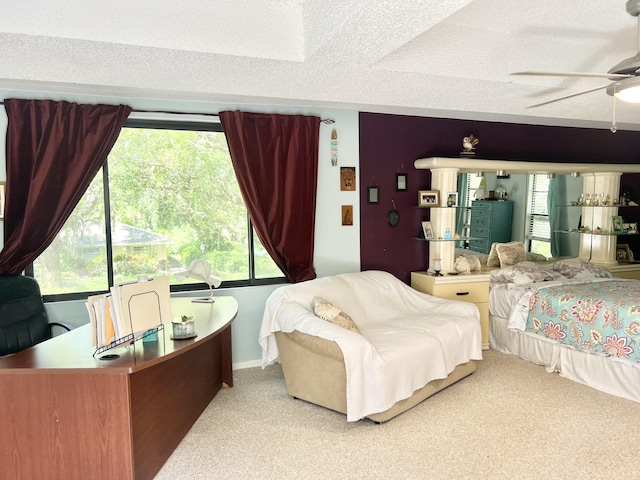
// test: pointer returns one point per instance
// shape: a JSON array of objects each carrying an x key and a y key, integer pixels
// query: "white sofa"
[{"x": 411, "y": 344}]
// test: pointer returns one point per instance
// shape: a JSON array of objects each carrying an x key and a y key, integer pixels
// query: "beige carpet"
[{"x": 509, "y": 420}]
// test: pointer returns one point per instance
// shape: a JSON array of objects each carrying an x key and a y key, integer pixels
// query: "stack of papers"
[{"x": 128, "y": 310}]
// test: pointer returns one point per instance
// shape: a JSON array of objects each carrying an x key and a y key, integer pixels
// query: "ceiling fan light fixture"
[
  {"x": 627, "y": 90},
  {"x": 629, "y": 94}
]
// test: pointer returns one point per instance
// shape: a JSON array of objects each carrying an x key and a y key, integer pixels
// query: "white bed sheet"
[{"x": 612, "y": 375}]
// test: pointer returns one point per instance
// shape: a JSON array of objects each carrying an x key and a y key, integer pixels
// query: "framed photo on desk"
[
  {"x": 427, "y": 230},
  {"x": 617, "y": 226},
  {"x": 624, "y": 253},
  {"x": 428, "y": 198}
]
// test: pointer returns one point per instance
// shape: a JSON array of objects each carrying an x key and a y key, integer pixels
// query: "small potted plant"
[{"x": 184, "y": 327}]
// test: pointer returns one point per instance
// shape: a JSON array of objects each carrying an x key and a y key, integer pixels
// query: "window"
[
  {"x": 166, "y": 196},
  {"x": 472, "y": 183},
  {"x": 538, "y": 231}
]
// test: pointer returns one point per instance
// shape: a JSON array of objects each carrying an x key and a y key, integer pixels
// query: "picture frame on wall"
[
  {"x": 373, "y": 194},
  {"x": 452, "y": 199},
  {"x": 347, "y": 215},
  {"x": 428, "y": 198},
  {"x": 347, "y": 179},
  {"x": 401, "y": 182},
  {"x": 617, "y": 225},
  {"x": 427, "y": 230}
]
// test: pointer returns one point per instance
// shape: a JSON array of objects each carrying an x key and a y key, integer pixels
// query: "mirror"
[{"x": 560, "y": 191}]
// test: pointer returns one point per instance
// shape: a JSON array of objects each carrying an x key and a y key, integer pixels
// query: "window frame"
[
  {"x": 165, "y": 124},
  {"x": 532, "y": 215}
]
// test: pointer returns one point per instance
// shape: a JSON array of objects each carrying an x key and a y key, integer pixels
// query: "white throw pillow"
[
  {"x": 329, "y": 312},
  {"x": 493, "y": 260},
  {"x": 510, "y": 254}
]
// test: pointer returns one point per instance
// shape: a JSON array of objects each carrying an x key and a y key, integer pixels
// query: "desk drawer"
[{"x": 466, "y": 292}]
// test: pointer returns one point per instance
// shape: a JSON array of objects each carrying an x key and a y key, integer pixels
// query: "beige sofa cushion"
[{"x": 329, "y": 312}]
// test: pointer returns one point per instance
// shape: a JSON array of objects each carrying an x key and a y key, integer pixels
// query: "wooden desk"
[{"x": 66, "y": 414}]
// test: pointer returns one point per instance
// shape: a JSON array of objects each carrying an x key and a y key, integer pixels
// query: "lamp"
[
  {"x": 200, "y": 269},
  {"x": 627, "y": 90}
]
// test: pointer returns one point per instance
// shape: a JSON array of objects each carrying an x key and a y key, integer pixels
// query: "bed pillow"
[
  {"x": 536, "y": 257},
  {"x": 492, "y": 259},
  {"x": 580, "y": 270},
  {"x": 524, "y": 273},
  {"x": 510, "y": 253},
  {"x": 329, "y": 312}
]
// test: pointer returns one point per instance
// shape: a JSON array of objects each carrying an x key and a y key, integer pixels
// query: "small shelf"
[
  {"x": 601, "y": 234},
  {"x": 460, "y": 239},
  {"x": 595, "y": 206},
  {"x": 443, "y": 207}
]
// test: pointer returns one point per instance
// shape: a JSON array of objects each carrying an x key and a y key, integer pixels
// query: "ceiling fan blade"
[
  {"x": 568, "y": 96},
  {"x": 611, "y": 76}
]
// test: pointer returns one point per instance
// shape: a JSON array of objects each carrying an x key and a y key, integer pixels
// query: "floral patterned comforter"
[{"x": 602, "y": 316}]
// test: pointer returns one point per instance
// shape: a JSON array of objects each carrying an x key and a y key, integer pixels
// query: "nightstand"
[
  {"x": 473, "y": 288},
  {"x": 631, "y": 271}
]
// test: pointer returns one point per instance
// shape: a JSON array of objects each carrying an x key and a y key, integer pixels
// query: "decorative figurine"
[{"x": 468, "y": 145}]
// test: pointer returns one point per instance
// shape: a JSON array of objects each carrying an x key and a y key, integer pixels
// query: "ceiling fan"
[{"x": 625, "y": 76}]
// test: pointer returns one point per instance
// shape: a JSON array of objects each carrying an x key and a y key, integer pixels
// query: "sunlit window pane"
[
  {"x": 76, "y": 261},
  {"x": 173, "y": 198}
]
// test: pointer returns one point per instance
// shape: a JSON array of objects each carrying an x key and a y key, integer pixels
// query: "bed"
[{"x": 572, "y": 317}]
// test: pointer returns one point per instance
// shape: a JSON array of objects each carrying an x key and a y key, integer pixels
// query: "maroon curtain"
[
  {"x": 275, "y": 158},
  {"x": 54, "y": 150}
]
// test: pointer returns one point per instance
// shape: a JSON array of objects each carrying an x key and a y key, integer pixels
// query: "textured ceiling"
[{"x": 422, "y": 57}]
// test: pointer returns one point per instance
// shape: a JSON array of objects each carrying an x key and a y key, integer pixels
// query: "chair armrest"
[
  {"x": 317, "y": 345},
  {"x": 65, "y": 326}
]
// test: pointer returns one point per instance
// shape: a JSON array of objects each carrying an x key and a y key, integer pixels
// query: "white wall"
[{"x": 337, "y": 247}]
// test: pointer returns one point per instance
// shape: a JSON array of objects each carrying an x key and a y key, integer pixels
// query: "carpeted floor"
[{"x": 509, "y": 420}]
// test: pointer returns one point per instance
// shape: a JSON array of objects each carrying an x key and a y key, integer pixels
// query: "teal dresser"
[{"x": 490, "y": 222}]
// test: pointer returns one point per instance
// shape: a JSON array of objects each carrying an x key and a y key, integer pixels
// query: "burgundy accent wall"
[{"x": 391, "y": 143}]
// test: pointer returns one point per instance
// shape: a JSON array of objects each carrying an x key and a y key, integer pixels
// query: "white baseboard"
[{"x": 249, "y": 364}]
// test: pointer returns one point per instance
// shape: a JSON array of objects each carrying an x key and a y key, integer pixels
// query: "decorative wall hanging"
[
  {"x": 401, "y": 179},
  {"x": 393, "y": 217},
  {"x": 347, "y": 215},
  {"x": 401, "y": 182},
  {"x": 334, "y": 147},
  {"x": 348, "y": 179},
  {"x": 373, "y": 194},
  {"x": 452, "y": 199}
]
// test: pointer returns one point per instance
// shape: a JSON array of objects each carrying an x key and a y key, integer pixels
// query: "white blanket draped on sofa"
[{"x": 408, "y": 338}]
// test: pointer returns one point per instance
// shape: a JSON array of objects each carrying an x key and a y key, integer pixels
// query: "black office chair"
[{"x": 23, "y": 318}]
